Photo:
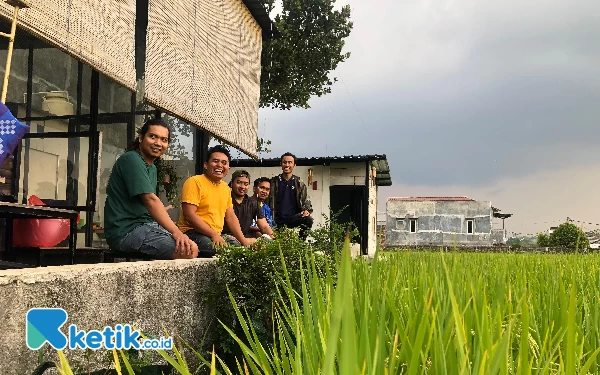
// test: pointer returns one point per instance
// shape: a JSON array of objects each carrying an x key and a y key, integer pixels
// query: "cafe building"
[{"x": 87, "y": 74}]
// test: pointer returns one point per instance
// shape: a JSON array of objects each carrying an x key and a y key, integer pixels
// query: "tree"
[
  {"x": 543, "y": 240},
  {"x": 514, "y": 242},
  {"x": 570, "y": 236},
  {"x": 521, "y": 241},
  {"x": 296, "y": 65}
]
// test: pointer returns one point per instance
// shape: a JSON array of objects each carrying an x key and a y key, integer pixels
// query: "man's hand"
[
  {"x": 183, "y": 244},
  {"x": 248, "y": 241},
  {"x": 217, "y": 240},
  {"x": 305, "y": 213}
]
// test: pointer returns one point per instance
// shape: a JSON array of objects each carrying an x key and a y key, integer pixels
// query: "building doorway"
[{"x": 351, "y": 199}]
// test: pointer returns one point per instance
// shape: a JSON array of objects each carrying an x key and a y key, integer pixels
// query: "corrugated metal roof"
[
  {"x": 380, "y": 163},
  {"x": 418, "y": 199},
  {"x": 315, "y": 160}
]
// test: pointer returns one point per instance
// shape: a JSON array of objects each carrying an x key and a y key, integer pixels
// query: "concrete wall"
[
  {"x": 438, "y": 223},
  {"x": 152, "y": 296},
  {"x": 498, "y": 236}
]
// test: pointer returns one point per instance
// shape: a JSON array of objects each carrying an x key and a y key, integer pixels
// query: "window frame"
[
  {"x": 416, "y": 225},
  {"x": 472, "y": 222}
]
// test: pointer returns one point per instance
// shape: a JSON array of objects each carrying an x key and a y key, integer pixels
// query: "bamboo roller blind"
[
  {"x": 100, "y": 33},
  {"x": 203, "y": 65}
]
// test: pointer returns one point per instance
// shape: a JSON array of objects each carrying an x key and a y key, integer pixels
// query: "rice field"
[{"x": 437, "y": 313}]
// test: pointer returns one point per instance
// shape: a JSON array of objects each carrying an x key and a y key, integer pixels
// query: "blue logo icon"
[{"x": 43, "y": 325}]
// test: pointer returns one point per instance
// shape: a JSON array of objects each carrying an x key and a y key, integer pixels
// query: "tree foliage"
[
  {"x": 543, "y": 240},
  {"x": 297, "y": 65},
  {"x": 569, "y": 235}
]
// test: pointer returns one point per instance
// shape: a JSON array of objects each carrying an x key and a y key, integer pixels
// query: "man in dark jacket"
[{"x": 288, "y": 199}]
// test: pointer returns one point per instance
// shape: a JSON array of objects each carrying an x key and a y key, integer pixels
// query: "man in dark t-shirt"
[
  {"x": 246, "y": 209},
  {"x": 135, "y": 220},
  {"x": 289, "y": 200}
]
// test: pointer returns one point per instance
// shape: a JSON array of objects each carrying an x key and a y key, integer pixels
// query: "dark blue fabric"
[
  {"x": 286, "y": 200},
  {"x": 11, "y": 132},
  {"x": 268, "y": 214}
]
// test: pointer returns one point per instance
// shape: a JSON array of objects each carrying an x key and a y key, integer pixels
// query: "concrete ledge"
[{"x": 151, "y": 296}]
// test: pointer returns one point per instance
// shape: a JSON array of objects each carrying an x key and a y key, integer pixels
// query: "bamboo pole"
[{"x": 17, "y": 4}]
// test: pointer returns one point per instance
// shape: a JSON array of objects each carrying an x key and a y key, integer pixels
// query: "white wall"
[
  {"x": 319, "y": 197},
  {"x": 348, "y": 174},
  {"x": 326, "y": 176},
  {"x": 372, "y": 245}
]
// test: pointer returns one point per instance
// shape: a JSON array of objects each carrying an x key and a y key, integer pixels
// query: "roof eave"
[{"x": 261, "y": 16}]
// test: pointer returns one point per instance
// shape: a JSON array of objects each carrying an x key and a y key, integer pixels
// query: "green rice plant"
[
  {"x": 424, "y": 313},
  {"x": 428, "y": 313}
]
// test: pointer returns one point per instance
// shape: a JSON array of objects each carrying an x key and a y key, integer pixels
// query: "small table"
[{"x": 10, "y": 211}]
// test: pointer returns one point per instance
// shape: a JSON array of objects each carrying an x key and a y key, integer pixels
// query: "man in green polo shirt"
[{"x": 135, "y": 220}]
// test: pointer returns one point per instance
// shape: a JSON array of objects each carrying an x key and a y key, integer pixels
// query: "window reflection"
[
  {"x": 113, "y": 97},
  {"x": 54, "y": 83},
  {"x": 114, "y": 144},
  {"x": 55, "y": 169},
  {"x": 181, "y": 154},
  {"x": 17, "y": 83}
]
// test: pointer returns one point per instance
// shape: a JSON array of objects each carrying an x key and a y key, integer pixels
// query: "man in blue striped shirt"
[{"x": 262, "y": 188}]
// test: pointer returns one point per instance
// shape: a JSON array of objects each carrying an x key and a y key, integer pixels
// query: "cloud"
[{"x": 459, "y": 92}]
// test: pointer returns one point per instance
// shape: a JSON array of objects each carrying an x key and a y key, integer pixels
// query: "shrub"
[
  {"x": 570, "y": 236},
  {"x": 329, "y": 237},
  {"x": 543, "y": 240},
  {"x": 251, "y": 275}
]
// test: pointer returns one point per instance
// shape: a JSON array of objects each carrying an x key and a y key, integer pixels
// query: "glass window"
[
  {"x": 54, "y": 86},
  {"x": 113, "y": 97},
  {"x": 413, "y": 226},
  {"x": 114, "y": 144},
  {"x": 55, "y": 169},
  {"x": 470, "y": 226},
  {"x": 17, "y": 81},
  {"x": 400, "y": 224},
  {"x": 181, "y": 155},
  {"x": 48, "y": 126},
  {"x": 86, "y": 93}
]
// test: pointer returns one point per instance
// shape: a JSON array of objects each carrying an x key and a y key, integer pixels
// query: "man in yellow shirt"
[{"x": 206, "y": 206}]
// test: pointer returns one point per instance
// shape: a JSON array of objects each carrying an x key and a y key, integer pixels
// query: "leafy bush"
[
  {"x": 329, "y": 238},
  {"x": 251, "y": 276},
  {"x": 570, "y": 236},
  {"x": 543, "y": 240}
]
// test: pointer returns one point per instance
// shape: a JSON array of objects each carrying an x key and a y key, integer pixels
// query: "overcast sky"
[{"x": 497, "y": 100}]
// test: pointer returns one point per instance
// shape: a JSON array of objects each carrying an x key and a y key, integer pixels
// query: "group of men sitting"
[{"x": 213, "y": 213}]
